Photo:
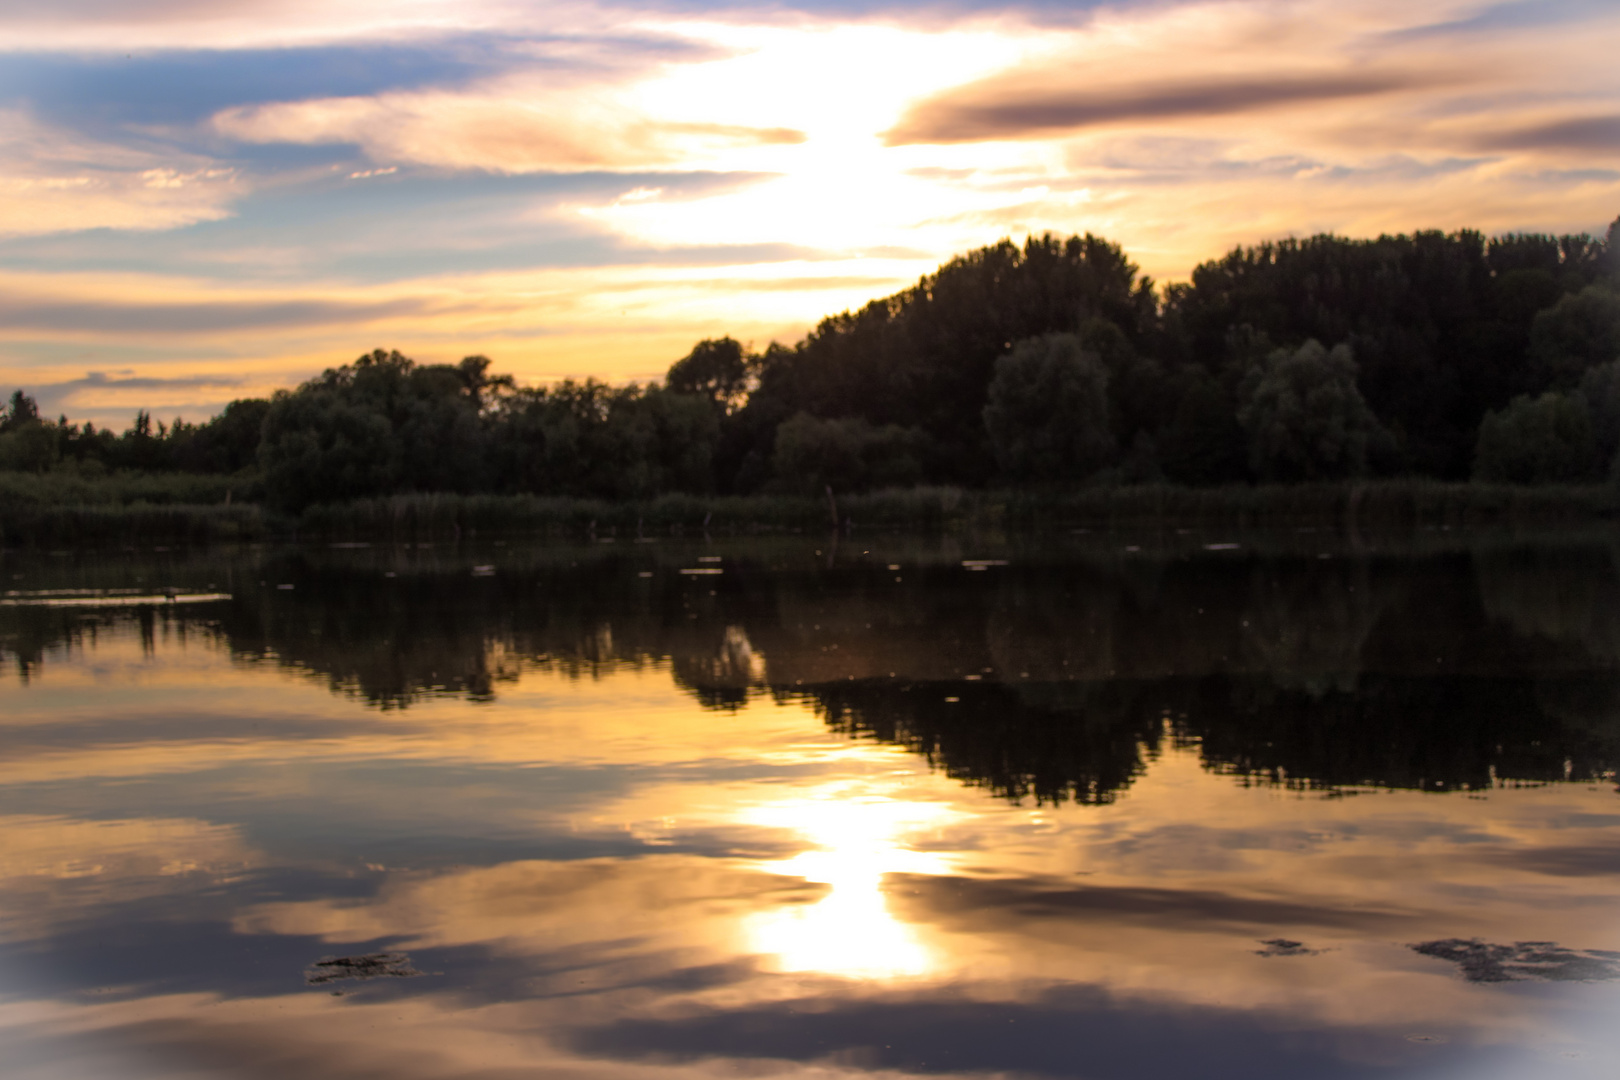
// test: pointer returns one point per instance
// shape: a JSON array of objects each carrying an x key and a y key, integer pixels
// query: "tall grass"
[
  {"x": 157, "y": 510},
  {"x": 406, "y": 517},
  {"x": 71, "y": 487},
  {"x": 138, "y": 524}
]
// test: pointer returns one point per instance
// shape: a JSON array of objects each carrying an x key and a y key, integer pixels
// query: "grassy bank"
[
  {"x": 74, "y": 487},
  {"x": 1397, "y": 504}
]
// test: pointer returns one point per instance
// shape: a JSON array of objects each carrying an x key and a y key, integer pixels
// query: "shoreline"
[{"x": 1381, "y": 504}]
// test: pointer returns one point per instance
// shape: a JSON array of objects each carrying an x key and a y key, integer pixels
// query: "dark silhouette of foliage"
[
  {"x": 18, "y": 412},
  {"x": 1214, "y": 381},
  {"x": 1049, "y": 680},
  {"x": 1581, "y": 331},
  {"x": 1541, "y": 440},
  {"x": 1305, "y": 417},
  {"x": 924, "y": 357},
  {"x": 1600, "y": 392},
  {"x": 717, "y": 368},
  {"x": 1203, "y": 442},
  {"x": 814, "y": 455},
  {"x": 1047, "y": 417}
]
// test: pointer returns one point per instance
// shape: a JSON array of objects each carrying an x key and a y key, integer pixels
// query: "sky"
[{"x": 208, "y": 199}]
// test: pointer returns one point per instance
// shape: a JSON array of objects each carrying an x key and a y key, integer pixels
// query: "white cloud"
[{"x": 51, "y": 181}]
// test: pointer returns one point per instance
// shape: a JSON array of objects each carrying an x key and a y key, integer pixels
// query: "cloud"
[
  {"x": 1589, "y": 134},
  {"x": 201, "y": 317},
  {"x": 51, "y": 181},
  {"x": 1073, "y": 1031},
  {"x": 108, "y": 399},
  {"x": 1006, "y": 903},
  {"x": 182, "y": 86},
  {"x": 1025, "y": 109},
  {"x": 1515, "y": 15},
  {"x": 505, "y": 130},
  {"x": 102, "y": 380},
  {"x": 324, "y": 225}
]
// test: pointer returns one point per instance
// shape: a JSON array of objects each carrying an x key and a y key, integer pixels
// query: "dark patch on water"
[
  {"x": 382, "y": 965},
  {"x": 1543, "y": 961}
]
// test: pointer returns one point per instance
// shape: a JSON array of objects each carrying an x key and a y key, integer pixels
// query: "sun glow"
[{"x": 859, "y": 838}]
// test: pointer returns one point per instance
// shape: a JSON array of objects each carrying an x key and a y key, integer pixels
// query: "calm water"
[{"x": 1101, "y": 807}]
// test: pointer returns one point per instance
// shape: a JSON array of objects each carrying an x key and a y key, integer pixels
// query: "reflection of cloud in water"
[{"x": 850, "y": 931}]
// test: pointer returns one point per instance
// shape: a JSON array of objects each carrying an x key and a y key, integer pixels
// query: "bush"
[
  {"x": 1305, "y": 417},
  {"x": 849, "y": 454},
  {"x": 1047, "y": 416},
  {"x": 28, "y": 447},
  {"x": 1600, "y": 389},
  {"x": 1579, "y": 332},
  {"x": 1544, "y": 440},
  {"x": 1202, "y": 444}
]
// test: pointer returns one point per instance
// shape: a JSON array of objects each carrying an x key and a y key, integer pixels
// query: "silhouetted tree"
[
  {"x": 20, "y": 410},
  {"x": 1600, "y": 390},
  {"x": 1541, "y": 440},
  {"x": 1047, "y": 417},
  {"x": 1304, "y": 416},
  {"x": 846, "y": 455},
  {"x": 1578, "y": 332},
  {"x": 1203, "y": 442},
  {"x": 719, "y": 369}
]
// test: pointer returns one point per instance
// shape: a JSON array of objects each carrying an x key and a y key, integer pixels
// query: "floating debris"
[
  {"x": 1222, "y": 547},
  {"x": 382, "y": 965},
  {"x": 702, "y": 570},
  {"x": 1280, "y": 946},
  {"x": 483, "y": 571},
  {"x": 1544, "y": 961}
]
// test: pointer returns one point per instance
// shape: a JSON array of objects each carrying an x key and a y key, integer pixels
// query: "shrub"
[
  {"x": 1047, "y": 416},
  {"x": 1543, "y": 440},
  {"x": 1580, "y": 331},
  {"x": 1600, "y": 389},
  {"x": 1305, "y": 417},
  {"x": 848, "y": 454}
]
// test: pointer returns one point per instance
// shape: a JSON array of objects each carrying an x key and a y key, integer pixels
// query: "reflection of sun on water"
[{"x": 850, "y": 931}]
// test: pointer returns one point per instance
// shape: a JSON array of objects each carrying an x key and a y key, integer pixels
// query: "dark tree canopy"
[
  {"x": 1047, "y": 417},
  {"x": 1050, "y": 362},
  {"x": 716, "y": 368}
]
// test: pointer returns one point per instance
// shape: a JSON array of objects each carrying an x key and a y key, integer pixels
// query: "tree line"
[{"x": 1047, "y": 365}]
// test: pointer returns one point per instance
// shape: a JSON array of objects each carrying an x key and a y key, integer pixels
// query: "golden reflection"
[{"x": 859, "y": 838}]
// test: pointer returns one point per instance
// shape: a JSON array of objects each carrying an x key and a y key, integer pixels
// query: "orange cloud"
[{"x": 512, "y": 129}]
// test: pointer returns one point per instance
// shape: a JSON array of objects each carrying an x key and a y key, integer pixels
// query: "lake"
[{"x": 1177, "y": 804}]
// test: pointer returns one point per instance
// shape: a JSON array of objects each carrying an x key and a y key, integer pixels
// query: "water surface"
[{"x": 1181, "y": 805}]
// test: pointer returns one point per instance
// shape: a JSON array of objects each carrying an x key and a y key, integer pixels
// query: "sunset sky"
[{"x": 207, "y": 199}]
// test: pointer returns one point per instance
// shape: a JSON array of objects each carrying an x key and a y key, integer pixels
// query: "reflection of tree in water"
[
  {"x": 1439, "y": 673},
  {"x": 1306, "y": 625},
  {"x": 721, "y": 679},
  {"x": 1435, "y": 733},
  {"x": 390, "y": 641},
  {"x": 1561, "y": 597},
  {"x": 1052, "y": 743}
]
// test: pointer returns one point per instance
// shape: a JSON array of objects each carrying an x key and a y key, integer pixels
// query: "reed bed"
[
  {"x": 1392, "y": 504},
  {"x": 136, "y": 525},
  {"x": 72, "y": 487}
]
